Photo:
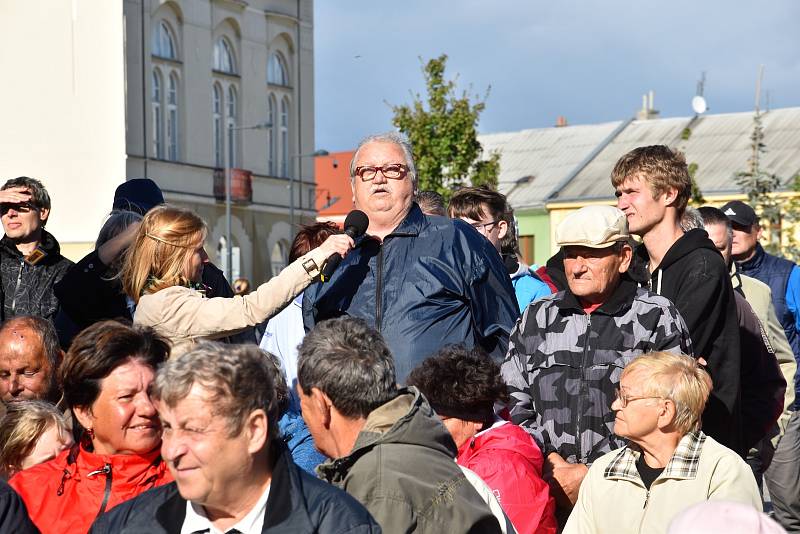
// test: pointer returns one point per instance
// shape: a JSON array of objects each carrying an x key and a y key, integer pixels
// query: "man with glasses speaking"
[
  {"x": 422, "y": 281},
  {"x": 567, "y": 352}
]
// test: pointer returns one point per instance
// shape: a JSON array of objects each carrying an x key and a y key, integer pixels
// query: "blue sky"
[{"x": 589, "y": 60}]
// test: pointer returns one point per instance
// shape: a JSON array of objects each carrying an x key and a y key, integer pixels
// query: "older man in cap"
[
  {"x": 567, "y": 351},
  {"x": 780, "y": 274}
]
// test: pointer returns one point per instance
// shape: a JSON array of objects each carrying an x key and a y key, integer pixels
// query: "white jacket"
[{"x": 613, "y": 499}]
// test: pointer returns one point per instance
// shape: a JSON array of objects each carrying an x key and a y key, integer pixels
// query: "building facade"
[{"x": 213, "y": 85}]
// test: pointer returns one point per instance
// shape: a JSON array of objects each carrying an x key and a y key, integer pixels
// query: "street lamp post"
[
  {"x": 321, "y": 152},
  {"x": 227, "y": 164}
]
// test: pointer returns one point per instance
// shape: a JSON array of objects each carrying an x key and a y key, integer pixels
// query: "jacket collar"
[
  {"x": 682, "y": 466},
  {"x": 620, "y": 299},
  {"x": 412, "y": 225},
  {"x": 756, "y": 261},
  {"x": 48, "y": 244}
]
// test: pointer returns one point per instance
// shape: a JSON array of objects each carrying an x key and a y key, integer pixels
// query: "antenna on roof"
[
  {"x": 699, "y": 102},
  {"x": 758, "y": 88}
]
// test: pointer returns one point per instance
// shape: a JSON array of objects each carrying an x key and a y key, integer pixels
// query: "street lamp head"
[{"x": 321, "y": 152}]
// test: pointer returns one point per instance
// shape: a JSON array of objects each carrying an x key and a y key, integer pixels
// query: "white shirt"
[
  {"x": 282, "y": 336},
  {"x": 253, "y": 523}
]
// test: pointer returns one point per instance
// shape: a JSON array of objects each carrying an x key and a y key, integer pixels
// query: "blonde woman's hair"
[
  {"x": 676, "y": 377},
  {"x": 20, "y": 429},
  {"x": 157, "y": 258}
]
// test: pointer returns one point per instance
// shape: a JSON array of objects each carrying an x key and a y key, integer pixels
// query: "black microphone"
[{"x": 355, "y": 225}]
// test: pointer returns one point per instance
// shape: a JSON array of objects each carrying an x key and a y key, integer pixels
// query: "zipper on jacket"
[
  {"x": 644, "y": 509},
  {"x": 379, "y": 290},
  {"x": 578, "y": 440},
  {"x": 16, "y": 287},
  {"x": 106, "y": 470}
]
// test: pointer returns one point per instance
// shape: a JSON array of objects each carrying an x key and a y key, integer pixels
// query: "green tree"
[
  {"x": 444, "y": 134},
  {"x": 760, "y": 186}
]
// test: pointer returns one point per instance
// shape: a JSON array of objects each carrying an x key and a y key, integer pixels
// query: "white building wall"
[{"x": 63, "y": 108}]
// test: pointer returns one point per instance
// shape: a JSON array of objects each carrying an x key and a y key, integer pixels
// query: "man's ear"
[
  {"x": 760, "y": 231},
  {"x": 323, "y": 405},
  {"x": 44, "y": 213},
  {"x": 626, "y": 254},
  {"x": 670, "y": 195},
  {"x": 257, "y": 427},
  {"x": 503, "y": 226}
]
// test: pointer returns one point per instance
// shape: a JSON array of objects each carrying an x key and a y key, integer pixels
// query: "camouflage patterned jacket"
[{"x": 563, "y": 365}]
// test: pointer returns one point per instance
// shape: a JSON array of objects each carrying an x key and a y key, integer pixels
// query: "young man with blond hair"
[{"x": 653, "y": 188}]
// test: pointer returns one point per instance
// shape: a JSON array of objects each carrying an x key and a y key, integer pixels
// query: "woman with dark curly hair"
[
  {"x": 106, "y": 376},
  {"x": 462, "y": 386}
]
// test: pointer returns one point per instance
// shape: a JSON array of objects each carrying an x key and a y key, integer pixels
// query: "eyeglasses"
[
  {"x": 484, "y": 228},
  {"x": 392, "y": 171},
  {"x": 625, "y": 399}
]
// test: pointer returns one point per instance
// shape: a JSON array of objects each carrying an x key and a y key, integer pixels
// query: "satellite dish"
[{"x": 699, "y": 104}]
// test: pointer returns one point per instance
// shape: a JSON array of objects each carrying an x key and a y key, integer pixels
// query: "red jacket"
[
  {"x": 67, "y": 493},
  {"x": 510, "y": 462}
]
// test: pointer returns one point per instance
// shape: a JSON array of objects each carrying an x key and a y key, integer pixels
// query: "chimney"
[
  {"x": 561, "y": 121},
  {"x": 648, "y": 110}
]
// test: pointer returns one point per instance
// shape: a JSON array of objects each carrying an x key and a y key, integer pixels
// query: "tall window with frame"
[
  {"x": 163, "y": 43},
  {"x": 271, "y": 136},
  {"x": 230, "y": 125},
  {"x": 284, "y": 138},
  {"x": 223, "y": 57},
  {"x": 217, "y": 125},
  {"x": 172, "y": 118},
  {"x": 276, "y": 70},
  {"x": 158, "y": 120}
]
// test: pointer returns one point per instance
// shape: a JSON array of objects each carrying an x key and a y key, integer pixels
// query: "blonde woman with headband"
[{"x": 162, "y": 275}]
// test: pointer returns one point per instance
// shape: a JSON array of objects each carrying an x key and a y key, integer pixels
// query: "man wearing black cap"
[
  {"x": 780, "y": 274},
  {"x": 783, "y": 277}
]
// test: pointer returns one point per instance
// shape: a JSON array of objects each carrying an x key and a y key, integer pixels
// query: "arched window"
[
  {"x": 158, "y": 120},
  {"x": 271, "y": 137},
  {"x": 217, "y": 125},
  {"x": 172, "y": 118},
  {"x": 278, "y": 258},
  {"x": 230, "y": 124},
  {"x": 224, "y": 60},
  {"x": 284, "y": 129},
  {"x": 276, "y": 70},
  {"x": 163, "y": 43}
]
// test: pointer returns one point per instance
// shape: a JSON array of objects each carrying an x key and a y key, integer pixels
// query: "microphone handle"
[
  {"x": 330, "y": 266},
  {"x": 335, "y": 259}
]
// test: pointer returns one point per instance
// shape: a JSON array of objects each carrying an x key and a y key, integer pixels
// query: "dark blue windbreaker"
[{"x": 432, "y": 282}]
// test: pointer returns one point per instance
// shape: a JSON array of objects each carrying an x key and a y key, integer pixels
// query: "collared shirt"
[
  {"x": 683, "y": 464},
  {"x": 197, "y": 522}
]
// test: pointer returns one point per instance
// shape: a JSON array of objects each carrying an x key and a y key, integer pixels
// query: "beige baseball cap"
[{"x": 594, "y": 227}]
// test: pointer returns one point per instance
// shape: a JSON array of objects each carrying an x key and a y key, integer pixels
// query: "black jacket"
[
  {"x": 297, "y": 503},
  {"x": 28, "y": 287},
  {"x": 763, "y": 385},
  {"x": 13, "y": 514},
  {"x": 694, "y": 277}
]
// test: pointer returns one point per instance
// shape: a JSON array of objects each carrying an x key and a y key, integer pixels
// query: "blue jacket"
[
  {"x": 297, "y": 502},
  {"x": 528, "y": 287},
  {"x": 298, "y": 439},
  {"x": 783, "y": 278},
  {"x": 432, "y": 282}
]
